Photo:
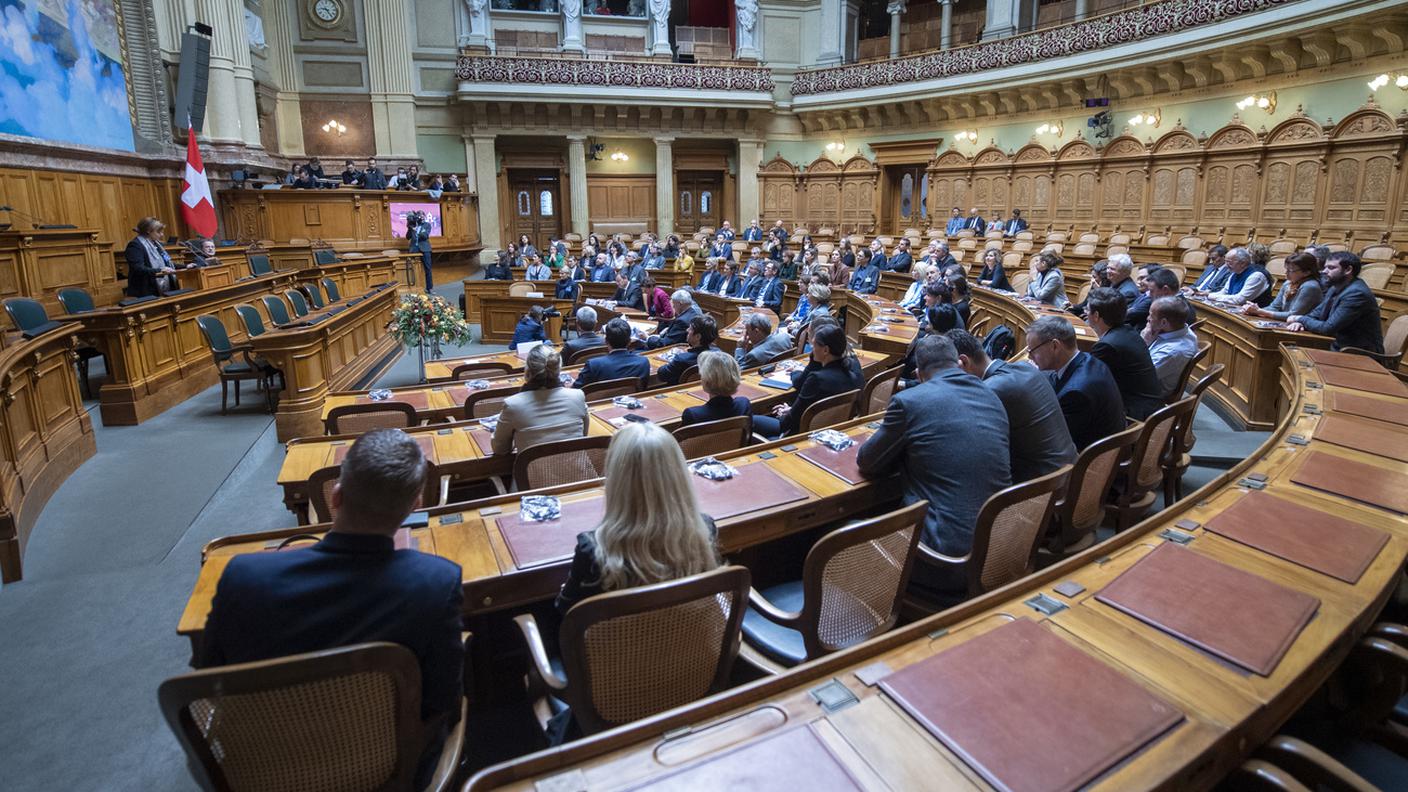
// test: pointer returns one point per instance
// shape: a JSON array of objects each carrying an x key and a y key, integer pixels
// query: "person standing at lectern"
[
  {"x": 149, "y": 268},
  {"x": 418, "y": 233}
]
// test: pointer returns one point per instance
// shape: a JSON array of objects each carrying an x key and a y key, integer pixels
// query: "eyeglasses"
[{"x": 1032, "y": 349}]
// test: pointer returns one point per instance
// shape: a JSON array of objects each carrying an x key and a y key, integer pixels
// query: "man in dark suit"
[
  {"x": 769, "y": 292},
  {"x": 700, "y": 338},
  {"x": 732, "y": 283},
  {"x": 1038, "y": 440},
  {"x": 753, "y": 233},
  {"x": 1125, "y": 353},
  {"x": 418, "y": 234},
  {"x": 901, "y": 260},
  {"x": 922, "y": 429},
  {"x": 676, "y": 330},
  {"x": 587, "y": 336},
  {"x": 1016, "y": 225},
  {"x": 352, "y": 587},
  {"x": 1349, "y": 311},
  {"x": 628, "y": 292},
  {"x": 831, "y": 371},
  {"x": 721, "y": 248},
  {"x": 1121, "y": 273},
  {"x": 619, "y": 363},
  {"x": 601, "y": 271},
  {"x": 1156, "y": 282},
  {"x": 975, "y": 222},
  {"x": 754, "y": 282},
  {"x": 1084, "y": 386},
  {"x": 372, "y": 177}
]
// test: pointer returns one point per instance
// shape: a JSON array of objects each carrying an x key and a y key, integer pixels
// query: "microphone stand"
[{"x": 31, "y": 219}]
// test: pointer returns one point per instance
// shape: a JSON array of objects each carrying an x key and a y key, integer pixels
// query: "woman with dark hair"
[
  {"x": 1299, "y": 294},
  {"x": 992, "y": 275},
  {"x": 525, "y": 246},
  {"x": 1048, "y": 285},
  {"x": 529, "y": 328},
  {"x": 832, "y": 370},
  {"x": 962, "y": 298}
]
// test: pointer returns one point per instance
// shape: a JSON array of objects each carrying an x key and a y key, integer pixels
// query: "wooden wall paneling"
[
  {"x": 1291, "y": 180},
  {"x": 1076, "y": 167},
  {"x": 621, "y": 199},
  {"x": 1363, "y": 172},
  {"x": 1174, "y": 180},
  {"x": 1031, "y": 183},
  {"x": 859, "y": 194},
  {"x": 823, "y": 187},
  {"x": 1229, "y": 186}
]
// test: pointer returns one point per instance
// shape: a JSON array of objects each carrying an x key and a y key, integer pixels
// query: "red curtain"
[{"x": 711, "y": 13}]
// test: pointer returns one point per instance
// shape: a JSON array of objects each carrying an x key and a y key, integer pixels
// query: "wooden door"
[
  {"x": 536, "y": 208},
  {"x": 908, "y": 205},
  {"x": 699, "y": 195}
]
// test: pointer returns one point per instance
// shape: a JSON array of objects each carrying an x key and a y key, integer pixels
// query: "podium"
[
  {"x": 39, "y": 262},
  {"x": 209, "y": 277}
]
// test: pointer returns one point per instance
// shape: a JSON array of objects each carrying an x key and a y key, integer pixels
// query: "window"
[
  {"x": 686, "y": 203},
  {"x": 547, "y": 6},
  {"x": 706, "y": 200},
  {"x": 923, "y": 197},
  {"x": 525, "y": 204},
  {"x": 545, "y": 203},
  {"x": 907, "y": 196},
  {"x": 621, "y": 8}
]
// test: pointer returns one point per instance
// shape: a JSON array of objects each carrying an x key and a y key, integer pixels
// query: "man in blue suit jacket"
[
  {"x": 901, "y": 260},
  {"x": 1089, "y": 397},
  {"x": 1349, "y": 311},
  {"x": 675, "y": 331},
  {"x": 700, "y": 338},
  {"x": 1016, "y": 225},
  {"x": 769, "y": 294},
  {"x": 619, "y": 363},
  {"x": 754, "y": 282},
  {"x": 352, "y": 587}
]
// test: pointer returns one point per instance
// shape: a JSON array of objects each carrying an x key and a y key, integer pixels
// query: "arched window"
[
  {"x": 706, "y": 198},
  {"x": 525, "y": 204},
  {"x": 686, "y": 203},
  {"x": 545, "y": 203},
  {"x": 907, "y": 196}
]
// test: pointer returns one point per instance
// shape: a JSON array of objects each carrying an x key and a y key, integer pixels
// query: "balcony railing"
[
  {"x": 1107, "y": 30},
  {"x": 568, "y": 71}
]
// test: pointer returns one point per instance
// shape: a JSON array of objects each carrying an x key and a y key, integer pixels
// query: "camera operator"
[{"x": 418, "y": 234}]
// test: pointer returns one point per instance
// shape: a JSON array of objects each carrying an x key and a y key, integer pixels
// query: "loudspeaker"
[{"x": 193, "y": 81}]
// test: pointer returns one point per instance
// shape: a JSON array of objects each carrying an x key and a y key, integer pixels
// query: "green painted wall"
[
  {"x": 640, "y": 150},
  {"x": 442, "y": 153}
]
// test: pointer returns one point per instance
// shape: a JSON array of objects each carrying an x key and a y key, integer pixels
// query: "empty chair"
[
  {"x": 1180, "y": 455},
  {"x": 1156, "y": 240},
  {"x": 1019, "y": 280},
  {"x": 484, "y": 403},
  {"x": 314, "y": 294},
  {"x": 359, "y": 418},
  {"x": 560, "y": 462},
  {"x": 1184, "y": 376},
  {"x": 610, "y": 389},
  {"x": 1377, "y": 274},
  {"x": 712, "y": 438},
  {"x": 850, "y": 592},
  {"x": 1113, "y": 249},
  {"x": 633, "y": 653},
  {"x": 330, "y": 286},
  {"x": 29, "y": 316},
  {"x": 1080, "y": 508},
  {"x": 1084, "y": 249},
  {"x": 1120, "y": 239},
  {"x": 232, "y": 369},
  {"x": 583, "y": 355},
  {"x": 828, "y": 412},
  {"x": 259, "y": 264},
  {"x": 1283, "y": 247},
  {"x": 77, "y": 301},
  {"x": 276, "y": 308},
  {"x": 1142, "y": 474},
  {"x": 1089, "y": 238},
  {"x": 250, "y": 318},
  {"x": 1012, "y": 260},
  {"x": 348, "y": 717},
  {"x": 875, "y": 396},
  {"x": 1194, "y": 258},
  {"x": 1378, "y": 253},
  {"x": 324, "y": 255},
  {"x": 1189, "y": 242},
  {"x": 521, "y": 289},
  {"x": 298, "y": 301},
  {"x": 469, "y": 371}
]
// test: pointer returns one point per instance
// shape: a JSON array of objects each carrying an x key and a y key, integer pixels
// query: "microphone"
[{"x": 34, "y": 221}]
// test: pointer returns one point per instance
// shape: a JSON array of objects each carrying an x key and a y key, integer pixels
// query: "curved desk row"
[
  {"x": 1111, "y": 617},
  {"x": 45, "y": 433}
]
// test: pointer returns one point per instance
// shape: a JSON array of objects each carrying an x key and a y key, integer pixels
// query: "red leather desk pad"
[
  {"x": 749, "y": 392},
  {"x": 1354, "y": 480},
  {"x": 841, "y": 464},
  {"x": 654, "y": 409},
  {"x": 1191, "y": 597},
  {"x": 484, "y": 439},
  {"x": 1393, "y": 412},
  {"x": 1376, "y": 381},
  {"x": 1309, "y": 537},
  {"x": 427, "y": 447},
  {"x": 1370, "y": 437},
  {"x": 417, "y": 399},
  {"x": 1029, "y": 711},
  {"x": 796, "y": 759},
  {"x": 1324, "y": 357},
  {"x": 756, "y": 486},
  {"x": 534, "y": 543}
]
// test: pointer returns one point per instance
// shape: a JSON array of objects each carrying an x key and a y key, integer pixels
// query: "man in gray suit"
[
  {"x": 1039, "y": 441},
  {"x": 760, "y": 344},
  {"x": 674, "y": 331},
  {"x": 947, "y": 437}
]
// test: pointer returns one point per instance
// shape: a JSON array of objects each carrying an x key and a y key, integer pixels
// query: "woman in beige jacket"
[{"x": 544, "y": 410}]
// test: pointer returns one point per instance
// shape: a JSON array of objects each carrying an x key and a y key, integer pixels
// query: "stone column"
[
  {"x": 659, "y": 28},
  {"x": 665, "y": 186},
  {"x": 1008, "y": 17},
  {"x": 577, "y": 183},
  {"x": 486, "y": 181},
  {"x": 288, "y": 115},
  {"x": 896, "y": 9},
  {"x": 389, "y": 68},
  {"x": 850, "y": 30},
  {"x": 750, "y": 157},
  {"x": 946, "y": 24},
  {"x": 572, "y": 27},
  {"x": 469, "y": 169},
  {"x": 1082, "y": 9},
  {"x": 472, "y": 20},
  {"x": 230, "y": 115},
  {"x": 830, "y": 33},
  {"x": 746, "y": 30}
]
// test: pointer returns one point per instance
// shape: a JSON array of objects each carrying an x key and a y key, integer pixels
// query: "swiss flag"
[{"x": 197, "y": 206}]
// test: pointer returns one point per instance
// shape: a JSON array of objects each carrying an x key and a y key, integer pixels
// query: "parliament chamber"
[{"x": 668, "y": 394}]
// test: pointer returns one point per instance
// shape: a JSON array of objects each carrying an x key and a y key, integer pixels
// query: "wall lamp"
[
  {"x": 1399, "y": 80},
  {"x": 1265, "y": 102},
  {"x": 334, "y": 127},
  {"x": 967, "y": 135},
  {"x": 1146, "y": 119},
  {"x": 1053, "y": 128}
]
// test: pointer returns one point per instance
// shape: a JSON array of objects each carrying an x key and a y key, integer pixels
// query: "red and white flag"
[{"x": 197, "y": 206}]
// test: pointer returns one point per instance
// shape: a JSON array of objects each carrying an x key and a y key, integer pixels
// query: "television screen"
[{"x": 400, "y": 210}]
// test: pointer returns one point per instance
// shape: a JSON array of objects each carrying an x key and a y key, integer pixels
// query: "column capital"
[
  {"x": 664, "y": 140},
  {"x": 477, "y": 136},
  {"x": 577, "y": 138}
]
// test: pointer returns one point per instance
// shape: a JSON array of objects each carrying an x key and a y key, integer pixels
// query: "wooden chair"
[
  {"x": 1020, "y": 280},
  {"x": 1194, "y": 258},
  {"x": 610, "y": 389},
  {"x": 1277, "y": 267},
  {"x": 1083, "y": 292},
  {"x": 330, "y": 286},
  {"x": 1012, "y": 260},
  {"x": 314, "y": 295},
  {"x": 1157, "y": 240},
  {"x": 1111, "y": 250},
  {"x": 1084, "y": 249},
  {"x": 1088, "y": 238},
  {"x": 633, "y": 653},
  {"x": 1283, "y": 247},
  {"x": 690, "y": 374},
  {"x": 1022, "y": 245},
  {"x": 1120, "y": 239},
  {"x": 1142, "y": 474},
  {"x": 979, "y": 326},
  {"x": 1189, "y": 242},
  {"x": 1187, "y": 373},
  {"x": 276, "y": 308},
  {"x": 298, "y": 301},
  {"x": 1177, "y": 269},
  {"x": 1377, "y": 273},
  {"x": 1378, "y": 253},
  {"x": 850, "y": 591},
  {"x": 469, "y": 371},
  {"x": 321, "y": 481},
  {"x": 875, "y": 396},
  {"x": 231, "y": 369},
  {"x": 1005, "y": 538},
  {"x": 583, "y": 355},
  {"x": 521, "y": 288},
  {"x": 993, "y": 244},
  {"x": 828, "y": 412},
  {"x": 259, "y": 264},
  {"x": 487, "y": 402},
  {"x": 362, "y": 418},
  {"x": 560, "y": 462},
  {"x": 712, "y": 438},
  {"x": 1080, "y": 509},
  {"x": 1259, "y": 775},
  {"x": 1180, "y": 456},
  {"x": 1311, "y": 766},
  {"x": 348, "y": 717},
  {"x": 1395, "y": 340},
  {"x": 78, "y": 301}
]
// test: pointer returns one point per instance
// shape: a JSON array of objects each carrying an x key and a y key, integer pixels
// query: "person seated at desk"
[
  {"x": 719, "y": 377},
  {"x": 914, "y": 295},
  {"x": 1048, "y": 285},
  {"x": 923, "y": 426},
  {"x": 149, "y": 268},
  {"x": 721, "y": 248},
  {"x": 998, "y": 224},
  {"x": 1245, "y": 284},
  {"x": 753, "y": 280},
  {"x": 1125, "y": 353},
  {"x": 1038, "y": 441},
  {"x": 753, "y": 233},
  {"x": 353, "y": 587},
  {"x": 699, "y": 338},
  {"x": 537, "y": 270},
  {"x": 817, "y": 299},
  {"x": 992, "y": 274},
  {"x": 1099, "y": 277},
  {"x": 565, "y": 288},
  {"x": 1171, "y": 342},
  {"x": 1215, "y": 273},
  {"x": 1120, "y": 272},
  {"x": 975, "y": 222},
  {"x": 544, "y": 410},
  {"x": 672, "y": 250},
  {"x": 499, "y": 270},
  {"x": 901, "y": 260},
  {"x": 657, "y": 300},
  {"x": 955, "y": 223},
  {"x": 1158, "y": 282},
  {"x": 204, "y": 255},
  {"x": 1349, "y": 311},
  {"x": 1016, "y": 225},
  {"x": 350, "y": 174},
  {"x": 603, "y": 272},
  {"x": 832, "y": 370},
  {"x": 675, "y": 331},
  {"x": 529, "y": 328},
  {"x": 866, "y": 278},
  {"x": 1084, "y": 386},
  {"x": 840, "y": 274},
  {"x": 769, "y": 293},
  {"x": 759, "y": 343},
  {"x": 732, "y": 284},
  {"x": 712, "y": 280},
  {"x": 627, "y": 293},
  {"x": 653, "y": 259},
  {"x": 1299, "y": 294},
  {"x": 578, "y": 271},
  {"x": 619, "y": 363},
  {"x": 878, "y": 259},
  {"x": 587, "y": 336},
  {"x": 684, "y": 262},
  {"x": 962, "y": 298},
  {"x": 939, "y": 318}
]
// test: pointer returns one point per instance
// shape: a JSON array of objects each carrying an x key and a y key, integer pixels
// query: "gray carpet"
[{"x": 90, "y": 632}]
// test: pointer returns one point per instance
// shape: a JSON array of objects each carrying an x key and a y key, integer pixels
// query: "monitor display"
[{"x": 399, "y": 211}]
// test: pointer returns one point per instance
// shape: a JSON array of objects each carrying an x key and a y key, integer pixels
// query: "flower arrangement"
[{"x": 423, "y": 320}]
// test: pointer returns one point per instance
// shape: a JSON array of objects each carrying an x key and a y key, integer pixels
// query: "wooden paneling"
[
  {"x": 621, "y": 200},
  {"x": 822, "y": 194},
  {"x": 38, "y": 263},
  {"x": 111, "y": 204},
  {"x": 345, "y": 218}
]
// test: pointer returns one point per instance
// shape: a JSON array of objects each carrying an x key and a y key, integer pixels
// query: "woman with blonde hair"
[
  {"x": 652, "y": 530},
  {"x": 544, "y": 410},
  {"x": 719, "y": 378}
]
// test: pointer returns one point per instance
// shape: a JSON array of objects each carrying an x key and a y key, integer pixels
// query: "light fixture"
[
  {"x": 333, "y": 126},
  {"x": 620, "y": 156},
  {"x": 1378, "y": 82},
  {"x": 1053, "y": 128},
  {"x": 970, "y": 135},
  {"x": 1399, "y": 80},
  {"x": 1265, "y": 102},
  {"x": 836, "y": 146},
  {"x": 1146, "y": 119}
]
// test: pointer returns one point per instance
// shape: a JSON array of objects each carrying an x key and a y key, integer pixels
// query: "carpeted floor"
[{"x": 89, "y": 634}]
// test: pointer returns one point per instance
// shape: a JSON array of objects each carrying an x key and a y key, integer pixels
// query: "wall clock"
[{"x": 327, "y": 19}]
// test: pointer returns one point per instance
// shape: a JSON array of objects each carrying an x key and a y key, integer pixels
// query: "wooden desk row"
[{"x": 1214, "y": 711}]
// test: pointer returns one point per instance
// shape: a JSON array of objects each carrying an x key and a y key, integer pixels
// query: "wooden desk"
[
  {"x": 203, "y": 278},
  {"x": 1227, "y": 712},
  {"x": 38, "y": 263},
  {"x": 347, "y": 347},
  {"x": 442, "y": 370},
  {"x": 349, "y": 218},
  {"x": 477, "y": 289},
  {"x": 499, "y": 315},
  {"x": 725, "y": 310},
  {"x": 45, "y": 433}
]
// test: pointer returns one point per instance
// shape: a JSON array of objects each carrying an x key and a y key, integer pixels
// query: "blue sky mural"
[{"x": 61, "y": 75}]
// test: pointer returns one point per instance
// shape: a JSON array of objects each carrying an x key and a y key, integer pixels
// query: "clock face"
[{"x": 327, "y": 10}]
